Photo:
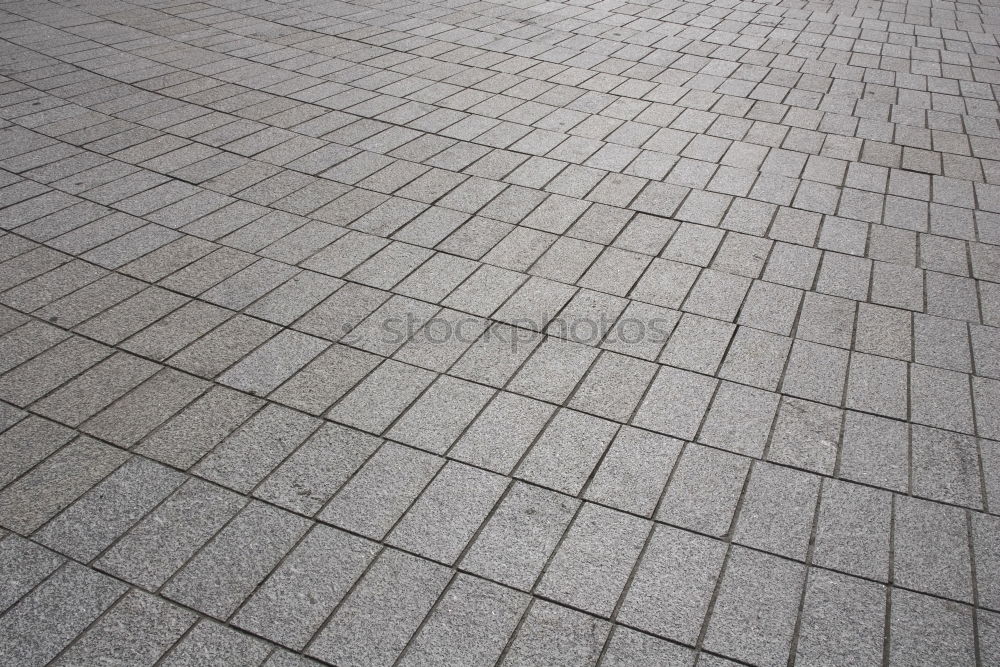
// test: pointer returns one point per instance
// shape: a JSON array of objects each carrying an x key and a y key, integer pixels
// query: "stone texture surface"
[{"x": 534, "y": 333}]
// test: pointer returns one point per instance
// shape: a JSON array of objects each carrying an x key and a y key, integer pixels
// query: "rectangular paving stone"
[
  {"x": 317, "y": 469},
  {"x": 37, "y": 377},
  {"x": 295, "y": 600},
  {"x": 778, "y": 510},
  {"x": 945, "y": 466},
  {"x": 59, "y": 480},
  {"x": 223, "y": 346},
  {"x": 519, "y": 537},
  {"x": 634, "y": 471},
  {"x": 441, "y": 414},
  {"x": 26, "y": 565},
  {"x": 104, "y": 513},
  {"x": 448, "y": 512},
  {"x": 613, "y": 386},
  {"x": 129, "y": 419},
  {"x": 45, "y": 621},
  {"x": 246, "y": 457},
  {"x": 670, "y": 593},
  {"x": 931, "y": 549},
  {"x": 219, "y": 644},
  {"x": 591, "y": 567},
  {"x": 230, "y": 567},
  {"x": 923, "y": 628},
  {"x": 180, "y": 328},
  {"x": 740, "y": 419},
  {"x": 167, "y": 537},
  {"x": 566, "y": 453},
  {"x": 754, "y": 614},
  {"x": 842, "y": 620},
  {"x": 382, "y": 612},
  {"x": 381, "y": 492},
  {"x": 675, "y": 403},
  {"x": 138, "y": 629},
  {"x": 325, "y": 379},
  {"x": 852, "y": 530},
  {"x": 28, "y": 442},
  {"x": 556, "y": 635},
  {"x": 198, "y": 428},
  {"x": 502, "y": 432},
  {"x": 470, "y": 625},
  {"x": 275, "y": 361},
  {"x": 382, "y": 396}
]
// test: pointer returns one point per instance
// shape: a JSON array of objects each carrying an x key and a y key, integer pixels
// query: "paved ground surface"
[{"x": 449, "y": 333}]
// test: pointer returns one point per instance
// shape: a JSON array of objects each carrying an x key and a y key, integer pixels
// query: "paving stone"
[
  {"x": 326, "y": 379},
  {"x": 842, "y": 621},
  {"x": 317, "y": 469},
  {"x": 670, "y": 593},
  {"x": 441, "y": 414},
  {"x": 852, "y": 530},
  {"x": 557, "y": 636},
  {"x": 59, "y": 480},
  {"x": 675, "y": 403},
  {"x": 382, "y": 396},
  {"x": 502, "y": 432},
  {"x": 223, "y": 346},
  {"x": 754, "y": 614},
  {"x": 210, "y": 642},
  {"x": 634, "y": 471},
  {"x": 628, "y": 647},
  {"x": 945, "y": 466},
  {"x": 566, "y": 453},
  {"x": 931, "y": 549},
  {"x": 778, "y": 510},
  {"x": 756, "y": 358},
  {"x": 274, "y": 362},
  {"x": 929, "y": 630},
  {"x": 45, "y": 621},
  {"x": 295, "y": 600},
  {"x": 138, "y": 629},
  {"x": 249, "y": 455},
  {"x": 100, "y": 516},
  {"x": 592, "y": 565},
  {"x": 163, "y": 541},
  {"x": 384, "y": 487},
  {"x": 878, "y": 385},
  {"x": 383, "y": 611},
  {"x": 740, "y": 419},
  {"x": 470, "y": 625},
  {"x": 37, "y": 377},
  {"x": 553, "y": 370},
  {"x": 231, "y": 567},
  {"x": 26, "y": 565},
  {"x": 27, "y": 443}
]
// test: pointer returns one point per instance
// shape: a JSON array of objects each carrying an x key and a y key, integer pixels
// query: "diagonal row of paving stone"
[{"x": 524, "y": 333}]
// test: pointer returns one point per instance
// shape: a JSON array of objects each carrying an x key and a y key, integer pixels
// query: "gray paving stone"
[
  {"x": 926, "y": 630},
  {"x": 945, "y": 466},
  {"x": 591, "y": 567},
  {"x": 137, "y": 630},
  {"x": 210, "y": 642},
  {"x": 37, "y": 377},
  {"x": 877, "y": 385},
  {"x": 931, "y": 549},
  {"x": 670, "y": 593},
  {"x": 448, "y": 512},
  {"x": 274, "y": 362},
  {"x": 740, "y": 419},
  {"x": 26, "y": 565},
  {"x": 246, "y": 457},
  {"x": 295, "y": 600},
  {"x": 28, "y": 442},
  {"x": 628, "y": 647},
  {"x": 842, "y": 621},
  {"x": 381, "y": 397},
  {"x": 44, "y": 622},
  {"x": 754, "y": 614},
  {"x": 502, "y": 432},
  {"x": 806, "y": 435},
  {"x": 59, "y": 480},
  {"x": 675, "y": 403},
  {"x": 556, "y": 635},
  {"x": 223, "y": 346},
  {"x": 985, "y": 537},
  {"x": 104, "y": 513},
  {"x": 634, "y": 471},
  {"x": 384, "y": 487},
  {"x": 380, "y": 615},
  {"x": 778, "y": 510},
  {"x": 164, "y": 540},
  {"x": 852, "y": 530},
  {"x": 566, "y": 453},
  {"x": 231, "y": 567},
  {"x": 470, "y": 625}
]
